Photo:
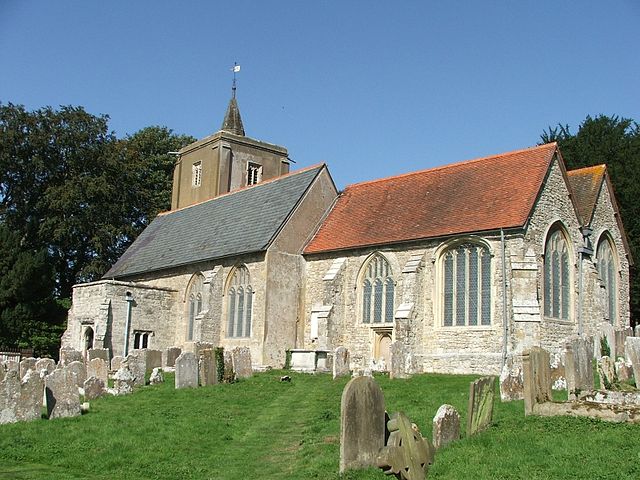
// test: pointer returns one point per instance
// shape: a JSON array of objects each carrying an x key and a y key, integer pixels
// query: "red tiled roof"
[
  {"x": 477, "y": 195},
  {"x": 585, "y": 185}
]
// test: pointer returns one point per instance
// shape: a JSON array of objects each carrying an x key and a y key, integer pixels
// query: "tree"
[{"x": 615, "y": 142}]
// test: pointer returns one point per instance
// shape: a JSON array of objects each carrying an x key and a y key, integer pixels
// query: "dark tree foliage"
[
  {"x": 615, "y": 142},
  {"x": 76, "y": 195}
]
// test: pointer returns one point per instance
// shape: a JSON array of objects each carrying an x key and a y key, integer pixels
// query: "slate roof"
[
  {"x": 477, "y": 195},
  {"x": 239, "y": 222},
  {"x": 585, "y": 185}
]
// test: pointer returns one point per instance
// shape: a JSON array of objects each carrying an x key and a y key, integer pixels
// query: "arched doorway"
[
  {"x": 382, "y": 353},
  {"x": 88, "y": 338}
]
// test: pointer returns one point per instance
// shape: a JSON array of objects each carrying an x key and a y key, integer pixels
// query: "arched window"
[
  {"x": 377, "y": 292},
  {"x": 467, "y": 285},
  {"x": 194, "y": 303},
  {"x": 239, "y": 304},
  {"x": 557, "y": 278},
  {"x": 607, "y": 271}
]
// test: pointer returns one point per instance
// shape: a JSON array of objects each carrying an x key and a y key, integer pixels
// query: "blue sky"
[{"x": 372, "y": 88}]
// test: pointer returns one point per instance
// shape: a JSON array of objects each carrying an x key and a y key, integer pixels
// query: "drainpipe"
[
  {"x": 584, "y": 250},
  {"x": 505, "y": 321},
  {"x": 129, "y": 299}
]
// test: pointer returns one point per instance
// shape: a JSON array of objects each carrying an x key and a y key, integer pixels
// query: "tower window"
[
  {"x": 196, "y": 174},
  {"x": 254, "y": 173}
]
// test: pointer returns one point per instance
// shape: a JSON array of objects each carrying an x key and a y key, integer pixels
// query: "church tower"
[{"x": 224, "y": 161}]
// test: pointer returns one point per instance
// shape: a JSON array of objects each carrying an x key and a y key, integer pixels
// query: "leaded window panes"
[
  {"x": 607, "y": 271},
  {"x": 378, "y": 292},
  {"x": 467, "y": 285},
  {"x": 239, "y": 304},
  {"x": 557, "y": 277},
  {"x": 194, "y": 305}
]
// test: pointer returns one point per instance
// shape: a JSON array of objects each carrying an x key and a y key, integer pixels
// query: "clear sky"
[{"x": 372, "y": 88}]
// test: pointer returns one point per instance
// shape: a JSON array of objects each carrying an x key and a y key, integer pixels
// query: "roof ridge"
[
  {"x": 602, "y": 167},
  {"x": 246, "y": 187},
  {"x": 451, "y": 165}
]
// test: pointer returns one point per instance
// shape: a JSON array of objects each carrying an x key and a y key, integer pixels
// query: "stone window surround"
[
  {"x": 554, "y": 226},
  {"x": 605, "y": 236},
  {"x": 362, "y": 275},
  {"x": 196, "y": 174},
  {"x": 229, "y": 284},
  {"x": 194, "y": 302}
]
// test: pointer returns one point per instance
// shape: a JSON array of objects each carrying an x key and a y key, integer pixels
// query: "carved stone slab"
[{"x": 480, "y": 412}]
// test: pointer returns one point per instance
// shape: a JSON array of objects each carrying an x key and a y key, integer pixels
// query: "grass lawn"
[{"x": 261, "y": 428}]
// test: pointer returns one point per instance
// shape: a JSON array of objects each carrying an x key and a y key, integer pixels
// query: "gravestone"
[
  {"x": 557, "y": 372},
  {"x": 94, "y": 387},
  {"x": 187, "y": 370},
  {"x": 609, "y": 332},
  {"x": 399, "y": 360},
  {"x": 137, "y": 363},
  {"x": 446, "y": 426},
  {"x": 98, "y": 368},
  {"x": 624, "y": 371},
  {"x": 242, "y": 362},
  {"x": 229, "y": 374},
  {"x": 207, "y": 368},
  {"x": 632, "y": 352},
  {"x": 20, "y": 400},
  {"x": 170, "y": 355},
  {"x": 26, "y": 364},
  {"x": 578, "y": 365},
  {"x": 123, "y": 381},
  {"x": 154, "y": 359},
  {"x": 61, "y": 393},
  {"x": 116, "y": 363},
  {"x": 341, "y": 363},
  {"x": 46, "y": 365},
  {"x": 362, "y": 423},
  {"x": 621, "y": 337},
  {"x": 156, "y": 376},
  {"x": 80, "y": 370},
  {"x": 607, "y": 373},
  {"x": 636, "y": 332},
  {"x": 68, "y": 355},
  {"x": 407, "y": 454},
  {"x": 537, "y": 378},
  {"x": 480, "y": 412},
  {"x": 511, "y": 381},
  {"x": 102, "y": 353}
]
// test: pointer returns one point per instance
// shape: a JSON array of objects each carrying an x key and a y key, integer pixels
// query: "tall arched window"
[
  {"x": 239, "y": 303},
  {"x": 377, "y": 291},
  {"x": 194, "y": 303},
  {"x": 467, "y": 285},
  {"x": 557, "y": 278},
  {"x": 608, "y": 271}
]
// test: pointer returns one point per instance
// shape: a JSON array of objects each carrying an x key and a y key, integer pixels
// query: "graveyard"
[{"x": 262, "y": 427}]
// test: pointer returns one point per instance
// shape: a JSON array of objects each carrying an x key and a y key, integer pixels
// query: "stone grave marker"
[
  {"x": 137, "y": 363},
  {"x": 229, "y": 374},
  {"x": 537, "y": 378},
  {"x": 207, "y": 367},
  {"x": 94, "y": 387},
  {"x": 47, "y": 365},
  {"x": 632, "y": 352},
  {"x": 20, "y": 400},
  {"x": 621, "y": 337},
  {"x": 578, "y": 365},
  {"x": 480, "y": 412},
  {"x": 187, "y": 370},
  {"x": 624, "y": 371},
  {"x": 242, "y": 362},
  {"x": 116, "y": 363},
  {"x": 341, "y": 366},
  {"x": 68, "y": 355},
  {"x": 446, "y": 426},
  {"x": 26, "y": 364},
  {"x": 362, "y": 423},
  {"x": 511, "y": 381},
  {"x": 398, "y": 360},
  {"x": 606, "y": 370},
  {"x": 61, "y": 393},
  {"x": 98, "y": 368},
  {"x": 170, "y": 355},
  {"x": 80, "y": 370},
  {"x": 123, "y": 381},
  {"x": 154, "y": 359},
  {"x": 609, "y": 332},
  {"x": 102, "y": 353},
  {"x": 156, "y": 376},
  {"x": 557, "y": 372}
]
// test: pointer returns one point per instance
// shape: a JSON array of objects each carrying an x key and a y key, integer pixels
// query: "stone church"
[{"x": 463, "y": 265}]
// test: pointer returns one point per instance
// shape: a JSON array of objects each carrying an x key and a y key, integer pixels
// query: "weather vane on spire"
[{"x": 235, "y": 69}]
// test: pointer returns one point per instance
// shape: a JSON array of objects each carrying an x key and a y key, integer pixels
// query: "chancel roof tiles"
[
  {"x": 240, "y": 222},
  {"x": 585, "y": 185}
]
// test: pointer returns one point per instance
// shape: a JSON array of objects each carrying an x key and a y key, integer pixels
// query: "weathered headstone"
[
  {"x": 407, "y": 454},
  {"x": 80, "y": 369},
  {"x": 557, "y": 372},
  {"x": 156, "y": 376},
  {"x": 578, "y": 365},
  {"x": 94, "y": 387},
  {"x": 123, "y": 381},
  {"x": 341, "y": 366},
  {"x": 116, "y": 363},
  {"x": 398, "y": 360},
  {"x": 170, "y": 355},
  {"x": 207, "y": 367},
  {"x": 362, "y": 423},
  {"x": 537, "y": 378},
  {"x": 154, "y": 359},
  {"x": 242, "y": 362},
  {"x": 632, "y": 352},
  {"x": 229, "y": 374},
  {"x": 480, "y": 412},
  {"x": 46, "y": 365},
  {"x": 102, "y": 353},
  {"x": 61, "y": 393},
  {"x": 446, "y": 426},
  {"x": 20, "y": 400},
  {"x": 621, "y": 337},
  {"x": 137, "y": 363},
  {"x": 607, "y": 372},
  {"x": 27, "y": 364},
  {"x": 98, "y": 368},
  {"x": 187, "y": 370},
  {"x": 624, "y": 371},
  {"x": 608, "y": 332},
  {"x": 68, "y": 355},
  {"x": 511, "y": 381}
]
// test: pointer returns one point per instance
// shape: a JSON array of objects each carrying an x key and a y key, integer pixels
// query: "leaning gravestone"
[
  {"x": 187, "y": 370},
  {"x": 94, "y": 387},
  {"x": 242, "y": 362},
  {"x": 341, "y": 366},
  {"x": 607, "y": 372},
  {"x": 362, "y": 423},
  {"x": 123, "y": 381},
  {"x": 207, "y": 368},
  {"x": 102, "y": 353},
  {"x": 170, "y": 355},
  {"x": 481, "y": 393},
  {"x": 511, "y": 381},
  {"x": 154, "y": 359},
  {"x": 398, "y": 360},
  {"x": 46, "y": 365},
  {"x": 578, "y": 365},
  {"x": 27, "y": 364},
  {"x": 80, "y": 370},
  {"x": 68, "y": 355},
  {"x": 98, "y": 368},
  {"x": 632, "y": 352},
  {"x": 61, "y": 393},
  {"x": 446, "y": 426},
  {"x": 137, "y": 363}
]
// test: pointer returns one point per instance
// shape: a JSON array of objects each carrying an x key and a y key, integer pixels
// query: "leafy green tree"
[{"x": 615, "y": 142}]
